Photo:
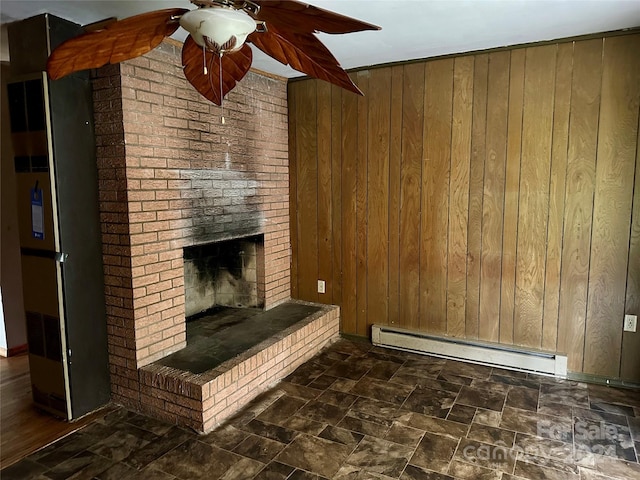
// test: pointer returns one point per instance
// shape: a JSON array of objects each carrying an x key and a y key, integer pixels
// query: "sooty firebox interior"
[{"x": 227, "y": 273}]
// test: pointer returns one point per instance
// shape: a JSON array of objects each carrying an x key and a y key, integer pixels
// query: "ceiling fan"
[{"x": 215, "y": 56}]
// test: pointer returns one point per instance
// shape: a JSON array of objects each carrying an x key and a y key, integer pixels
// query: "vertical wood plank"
[
  {"x": 293, "y": 100},
  {"x": 324, "y": 202},
  {"x": 459, "y": 194},
  {"x": 476, "y": 178},
  {"x": 411, "y": 173},
  {"x": 361, "y": 205},
  {"x": 615, "y": 167},
  {"x": 511, "y": 195},
  {"x": 349, "y": 149},
  {"x": 556, "y": 196},
  {"x": 493, "y": 196},
  {"x": 581, "y": 159},
  {"x": 630, "y": 361},
  {"x": 307, "y": 197},
  {"x": 378, "y": 144},
  {"x": 395, "y": 159},
  {"x": 435, "y": 195},
  {"x": 336, "y": 193},
  {"x": 537, "y": 122}
]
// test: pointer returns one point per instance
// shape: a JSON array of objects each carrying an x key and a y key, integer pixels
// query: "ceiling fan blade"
[
  {"x": 300, "y": 17},
  {"x": 234, "y": 67},
  {"x": 305, "y": 53},
  {"x": 118, "y": 41}
]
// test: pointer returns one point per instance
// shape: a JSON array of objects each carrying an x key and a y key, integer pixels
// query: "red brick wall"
[{"x": 171, "y": 175}]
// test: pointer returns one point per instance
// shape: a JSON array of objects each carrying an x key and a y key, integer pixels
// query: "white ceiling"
[{"x": 411, "y": 29}]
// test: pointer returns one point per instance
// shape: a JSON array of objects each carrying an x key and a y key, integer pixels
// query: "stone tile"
[
  {"x": 383, "y": 370},
  {"x": 72, "y": 445},
  {"x": 141, "y": 457},
  {"x": 348, "y": 369},
  {"x": 493, "y": 435},
  {"x": 559, "y": 465},
  {"x": 341, "y": 435},
  {"x": 523, "y": 398},
  {"x": 505, "y": 372},
  {"x": 274, "y": 471},
  {"x": 455, "y": 379},
  {"x": 298, "y": 391},
  {"x": 227, "y": 437},
  {"x": 376, "y": 389},
  {"x": 404, "y": 435},
  {"x": 303, "y": 425},
  {"x": 380, "y": 456},
  {"x": 433, "y": 424},
  {"x": 322, "y": 412},
  {"x": 494, "y": 457},
  {"x": 569, "y": 393},
  {"x": 116, "y": 471},
  {"x": 375, "y": 408},
  {"x": 270, "y": 431},
  {"x": 149, "y": 424},
  {"x": 634, "y": 427},
  {"x": 307, "y": 373},
  {"x": 544, "y": 447},
  {"x": 556, "y": 409},
  {"x": 282, "y": 409},
  {"x": 487, "y": 417},
  {"x": 612, "y": 408},
  {"x": 434, "y": 383},
  {"x": 619, "y": 396},
  {"x": 584, "y": 414},
  {"x": 430, "y": 402},
  {"x": 84, "y": 465},
  {"x": 364, "y": 426},
  {"x": 497, "y": 377},
  {"x": 468, "y": 471},
  {"x": 461, "y": 414},
  {"x": 486, "y": 399},
  {"x": 413, "y": 472},
  {"x": 25, "y": 469},
  {"x": 489, "y": 385},
  {"x": 343, "y": 385},
  {"x": 322, "y": 382},
  {"x": 536, "y": 424},
  {"x": 604, "y": 438},
  {"x": 466, "y": 370},
  {"x": 259, "y": 448},
  {"x": 195, "y": 460},
  {"x": 538, "y": 472},
  {"x": 302, "y": 475},
  {"x": 151, "y": 474},
  {"x": 315, "y": 455},
  {"x": 340, "y": 399},
  {"x": 616, "y": 468},
  {"x": 434, "y": 452},
  {"x": 123, "y": 443},
  {"x": 428, "y": 370},
  {"x": 244, "y": 468}
]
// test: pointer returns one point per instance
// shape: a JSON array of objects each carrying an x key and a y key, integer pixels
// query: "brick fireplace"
[{"x": 172, "y": 177}]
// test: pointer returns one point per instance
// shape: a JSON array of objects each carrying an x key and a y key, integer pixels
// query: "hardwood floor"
[{"x": 24, "y": 428}]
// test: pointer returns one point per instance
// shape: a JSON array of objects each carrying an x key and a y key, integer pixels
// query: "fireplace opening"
[{"x": 229, "y": 273}]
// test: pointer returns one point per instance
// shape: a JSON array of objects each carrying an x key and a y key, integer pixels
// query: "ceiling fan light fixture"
[{"x": 221, "y": 29}]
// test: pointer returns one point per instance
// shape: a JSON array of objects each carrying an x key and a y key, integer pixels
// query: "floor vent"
[{"x": 493, "y": 355}]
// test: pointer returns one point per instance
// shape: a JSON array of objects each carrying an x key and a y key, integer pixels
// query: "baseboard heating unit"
[{"x": 490, "y": 354}]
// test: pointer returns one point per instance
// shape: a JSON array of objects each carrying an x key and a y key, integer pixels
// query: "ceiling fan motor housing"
[{"x": 220, "y": 29}]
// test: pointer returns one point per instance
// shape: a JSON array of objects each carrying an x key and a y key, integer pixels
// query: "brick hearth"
[{"x": 171, "y": 175}]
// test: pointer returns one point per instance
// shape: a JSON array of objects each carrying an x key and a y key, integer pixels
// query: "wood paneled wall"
[{"x": 492, "y": 196}]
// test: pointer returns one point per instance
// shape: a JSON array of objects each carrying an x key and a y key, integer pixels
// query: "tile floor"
[{"x": 362, "y": 412}]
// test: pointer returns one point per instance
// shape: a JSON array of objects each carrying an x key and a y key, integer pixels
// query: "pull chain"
[
  {"x": 221, "y": 99},
  {"x": 204, "y": 60}
]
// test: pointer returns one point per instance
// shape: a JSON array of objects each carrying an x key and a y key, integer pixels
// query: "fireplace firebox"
[{"x": 228, "y": 273}]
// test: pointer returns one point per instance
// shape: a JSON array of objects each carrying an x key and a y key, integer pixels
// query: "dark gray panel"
[{"x": 78, "y": 213}]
